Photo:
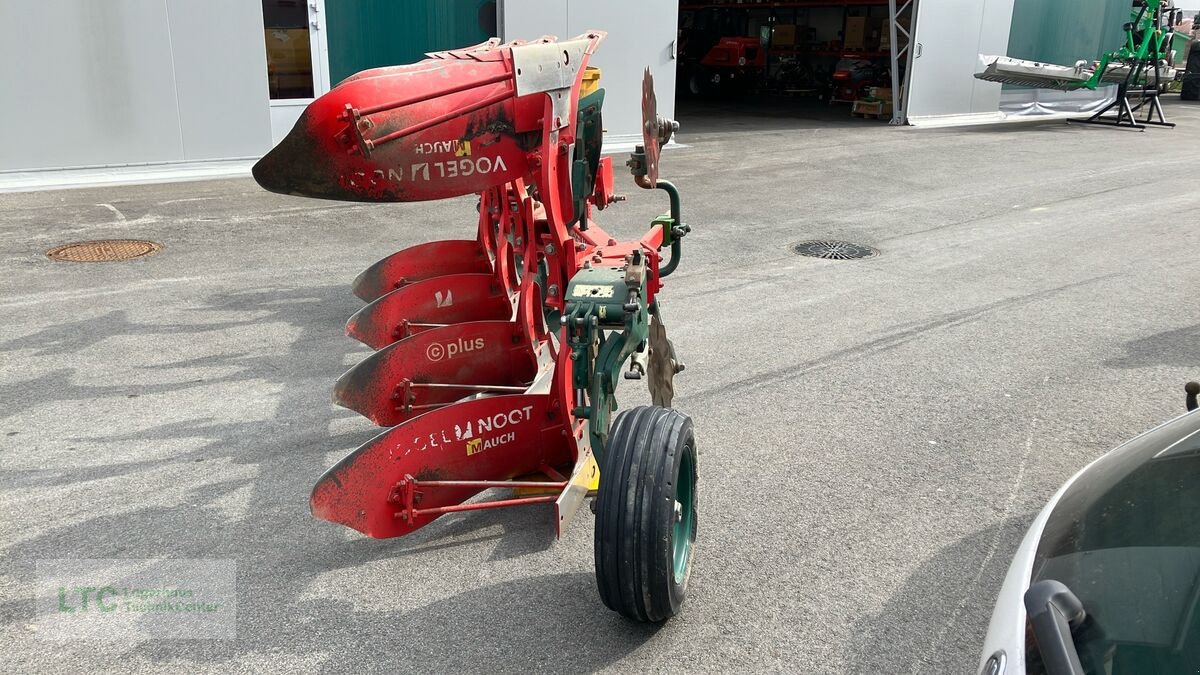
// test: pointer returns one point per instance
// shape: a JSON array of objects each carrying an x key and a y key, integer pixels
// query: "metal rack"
[{"x": 901, "y": 54}]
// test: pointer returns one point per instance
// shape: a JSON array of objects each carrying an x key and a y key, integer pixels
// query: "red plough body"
[
  {"x": 494, "y": 363},
  {"x": 505, "y": 436},
  {"x": 429, "y": 303}
]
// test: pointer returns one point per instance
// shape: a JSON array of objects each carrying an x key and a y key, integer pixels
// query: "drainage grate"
[
  {"x": 107, "y": 250},
  {"x": 834, "y": 250}
]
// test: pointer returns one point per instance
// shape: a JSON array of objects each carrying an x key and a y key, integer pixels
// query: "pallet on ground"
[{"x": 873, "y": 109}]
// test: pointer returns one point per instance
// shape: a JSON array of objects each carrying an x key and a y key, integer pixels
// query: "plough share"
[{"x": 498, "y": 357}]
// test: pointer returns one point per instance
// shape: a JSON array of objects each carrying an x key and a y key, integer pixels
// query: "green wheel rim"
[{"x": 683, "y": 534}]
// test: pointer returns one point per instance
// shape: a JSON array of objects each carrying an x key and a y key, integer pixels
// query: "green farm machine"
[{"x": 1141, "y": 68}]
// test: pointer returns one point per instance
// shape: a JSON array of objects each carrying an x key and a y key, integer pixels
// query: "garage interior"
[{"x": 820, "y": 61}]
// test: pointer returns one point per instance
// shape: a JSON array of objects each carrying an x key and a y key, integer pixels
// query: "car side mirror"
[{"x": 1055, "y": 612}]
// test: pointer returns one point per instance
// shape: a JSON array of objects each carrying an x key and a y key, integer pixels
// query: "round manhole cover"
[
  {"x": 834, "y": 250},
  {"x": 107, "y": 250}
]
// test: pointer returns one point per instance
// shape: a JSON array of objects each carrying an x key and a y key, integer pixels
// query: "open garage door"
[{"x": 793, "y": 63}]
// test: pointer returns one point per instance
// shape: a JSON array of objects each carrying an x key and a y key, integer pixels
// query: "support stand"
[
  {"x": 1151, "y": 97},
  {"x": 1126, "y": 114},
  {"x": 1124, "y": 118}
]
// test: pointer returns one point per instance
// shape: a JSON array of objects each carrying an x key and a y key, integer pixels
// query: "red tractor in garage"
[{"x": 733, "y": 65}]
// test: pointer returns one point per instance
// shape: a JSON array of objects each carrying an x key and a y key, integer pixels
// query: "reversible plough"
[
  {"x": 498, "y": 356},
  {"x": 1142, "y": 62}
]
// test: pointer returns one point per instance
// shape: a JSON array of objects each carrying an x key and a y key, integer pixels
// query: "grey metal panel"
[
  {"x": 529, "y": 19},
  {"x": 86, "y": 83},
  {"x": 950, "y": 37},
  {"x": 993, "y": 39},
  {"x": 220, "y": 77},
  {"x": 640, "y": 34}
]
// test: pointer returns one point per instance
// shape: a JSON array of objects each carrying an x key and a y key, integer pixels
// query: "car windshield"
[{"x": 1125, "y": 538}]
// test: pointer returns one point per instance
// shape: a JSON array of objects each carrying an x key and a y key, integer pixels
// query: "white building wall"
[
  {"x": 640, "y": 35},
  {"x": 118, "y": 82}
]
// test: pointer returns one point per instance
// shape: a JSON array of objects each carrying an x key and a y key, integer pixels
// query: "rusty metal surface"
[
  {"x": 104, "y": 250},
  {"x": 650, "y": 127},
  {"x": 662, "y": 364}
]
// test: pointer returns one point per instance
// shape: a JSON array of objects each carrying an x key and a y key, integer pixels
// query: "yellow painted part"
[
  {"x": 591, "y": 81},
  {"x": 589, "y": 469},
  {"x": 593, "y": 469}
]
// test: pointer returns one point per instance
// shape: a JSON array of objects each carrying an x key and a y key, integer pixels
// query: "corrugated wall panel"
[
  {"x": 1062, "y": 32},
  {"x": 1066, "y": 31}
]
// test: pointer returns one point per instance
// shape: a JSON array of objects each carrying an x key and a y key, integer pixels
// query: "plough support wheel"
[{"x": 646, "y": 513}]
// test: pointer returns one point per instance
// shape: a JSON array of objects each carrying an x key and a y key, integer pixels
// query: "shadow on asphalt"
[
  {"x": 538, "y": 622},
  {"x": 961, "y": 581},
  {"x": 299, "y": 308},
  {"x": 69, "y": 337},
  {"x": 1176, "y": 348}
]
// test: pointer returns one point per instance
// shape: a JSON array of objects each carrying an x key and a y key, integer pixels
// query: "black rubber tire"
[
  {"x": 700, "y": 83},
  {"x": 1191, "y": 77},
  {"x": 686, "y": 86},
  {"x": 635, "y": 513}
]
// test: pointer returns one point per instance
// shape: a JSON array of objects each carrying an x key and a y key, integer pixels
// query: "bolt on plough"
[{"x": 498, "y": 357}]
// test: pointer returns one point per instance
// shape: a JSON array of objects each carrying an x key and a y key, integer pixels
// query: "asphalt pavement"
[{"x": 875, "y": 435}]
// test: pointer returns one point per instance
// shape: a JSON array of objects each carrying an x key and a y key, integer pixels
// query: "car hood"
[{"x": 1061, "y": 542}]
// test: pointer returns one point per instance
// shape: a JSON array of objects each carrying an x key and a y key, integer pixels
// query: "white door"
[
  {"x": 632, "y": 45},
  {"x": 948, "y": 40},
  {"x": 297, "y": 59},
  {"x": 640, "y": 35}
]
